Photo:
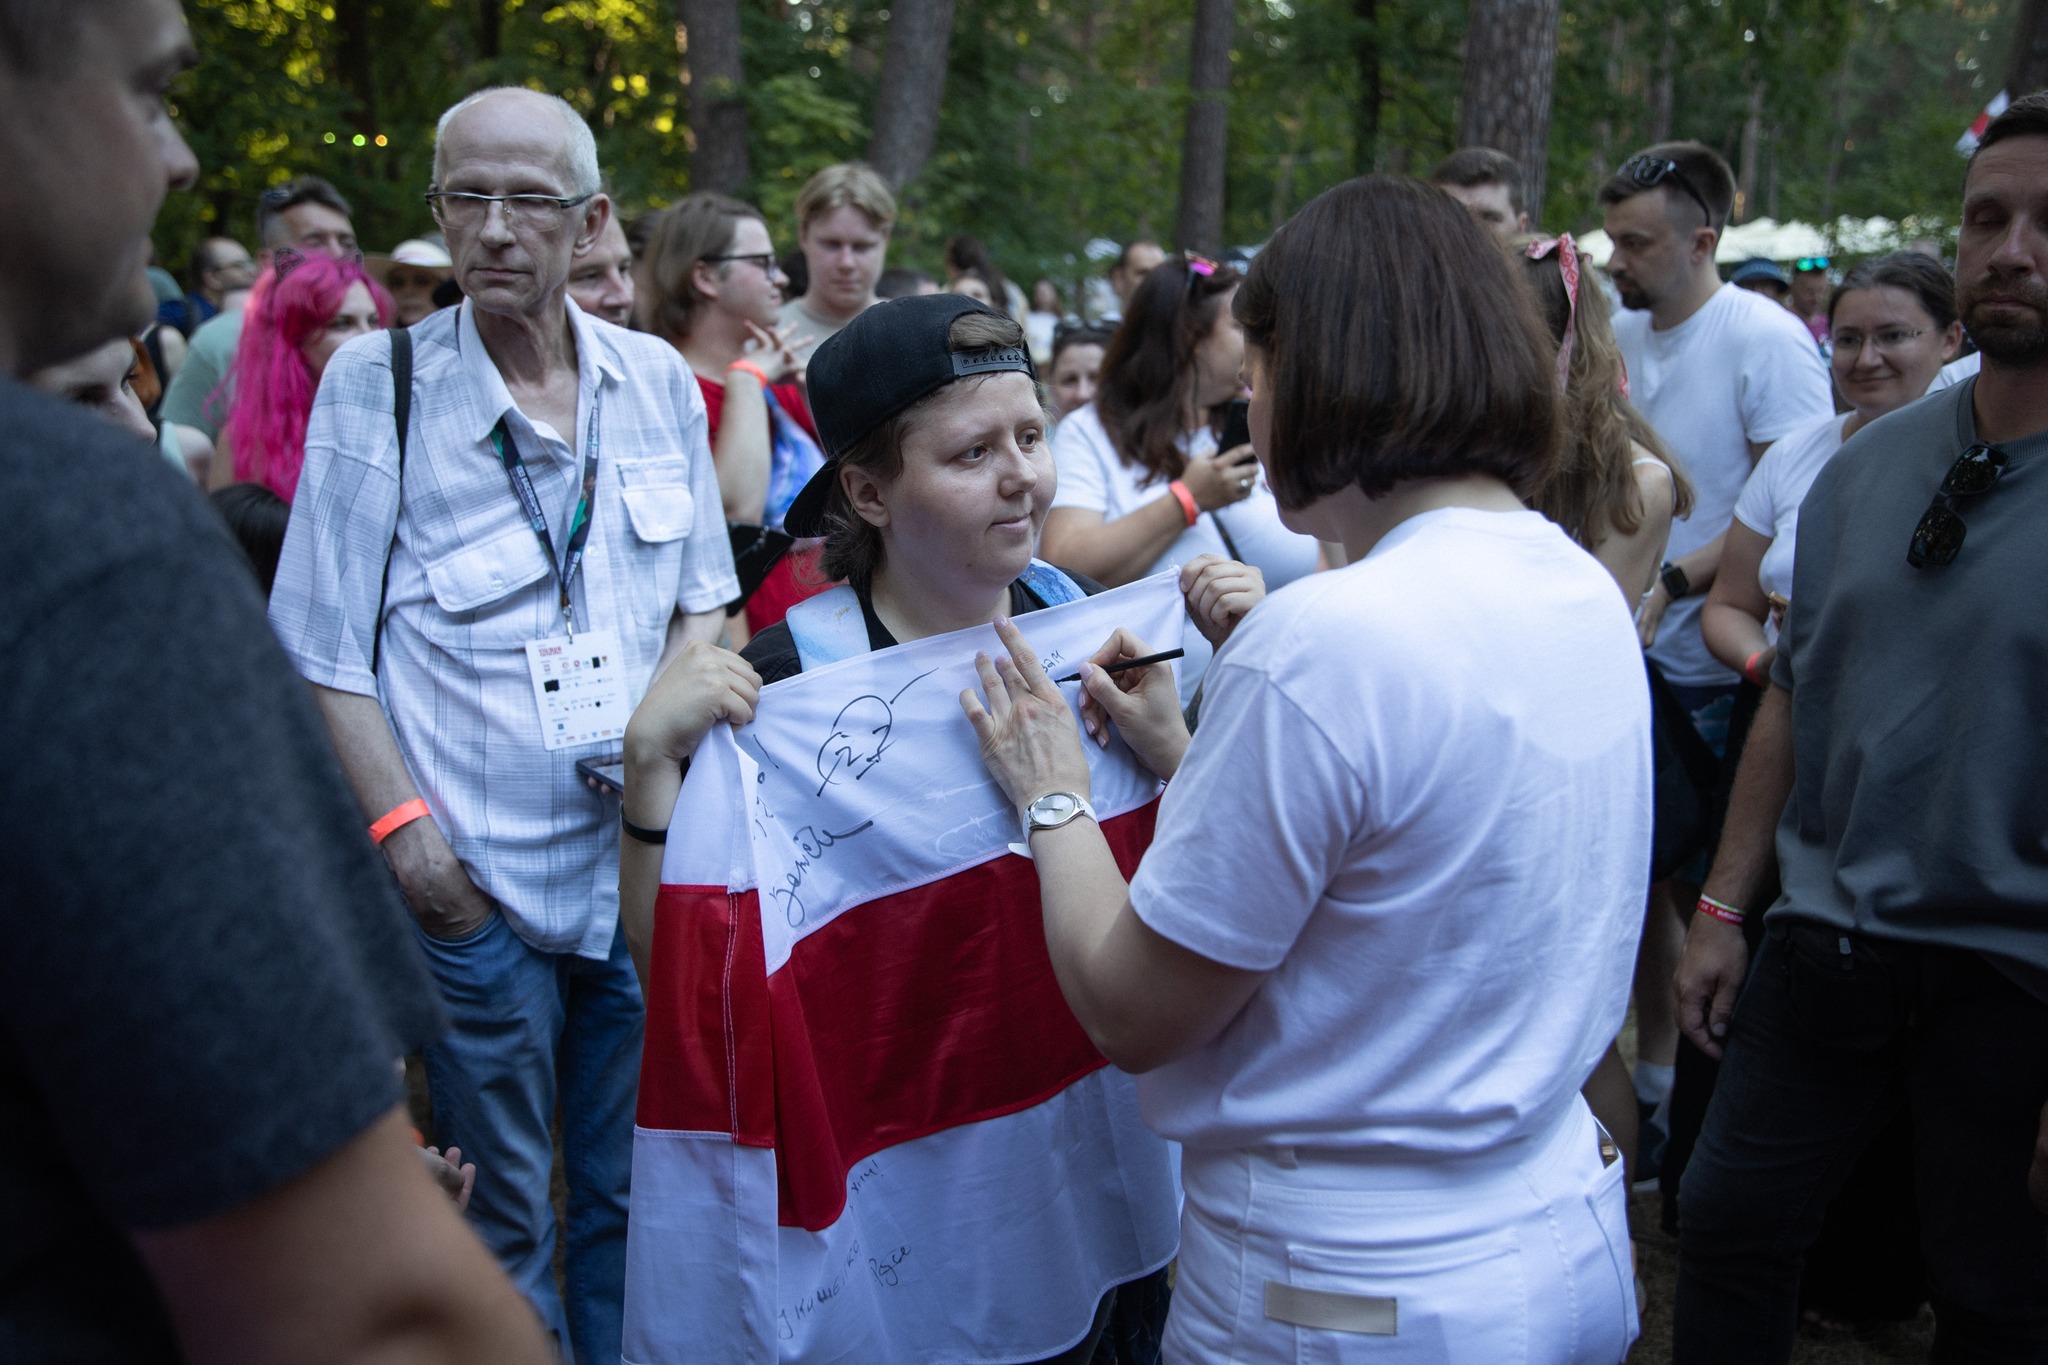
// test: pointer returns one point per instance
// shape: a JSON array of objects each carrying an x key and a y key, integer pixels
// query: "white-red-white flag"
[
  {"x": 1967, "y": 143},
  {"x": 869, "y": 1127}
]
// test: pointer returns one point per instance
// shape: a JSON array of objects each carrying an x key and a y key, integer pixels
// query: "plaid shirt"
[{"x": 470, "y": 586}]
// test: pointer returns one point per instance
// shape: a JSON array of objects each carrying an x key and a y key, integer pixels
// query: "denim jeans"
[
  {"x": 1832, "y": 1033},
  {"x": 524, "y": 1027}
]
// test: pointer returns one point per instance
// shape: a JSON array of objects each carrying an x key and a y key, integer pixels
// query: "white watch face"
[{"x": 1054, "y": 808}]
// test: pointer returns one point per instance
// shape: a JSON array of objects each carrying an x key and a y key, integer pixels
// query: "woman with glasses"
[
  {"x": 296, "y": 318},
  {"x": 707, "y": 283},
  {"x": 1892, "y": 323},
  {"x": 1144, "y": 482}
]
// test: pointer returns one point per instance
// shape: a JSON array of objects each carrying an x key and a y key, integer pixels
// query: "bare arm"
[
  {"x": 443, "y": 898},
  {"x": 1715, "y": 956},
  {"x": 1112, "y": 553},
  {"x": 359, "y": 1259},
  {"x": 742, "y": 450},
  {"x": 1118, "y": 552},
  {"x": 1733, "y": 618},
  {"x": 1633, "y": 559},
  {"x": 1700, "y": 568}
]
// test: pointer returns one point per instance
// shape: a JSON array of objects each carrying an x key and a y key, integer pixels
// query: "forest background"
[{"x": 1041, "y": 124}]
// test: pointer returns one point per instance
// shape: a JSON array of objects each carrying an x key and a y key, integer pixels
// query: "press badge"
[{"x": 580, "y": 685}]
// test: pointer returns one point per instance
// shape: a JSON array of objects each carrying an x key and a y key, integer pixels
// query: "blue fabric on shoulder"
[{"x": 831, "y": 626}]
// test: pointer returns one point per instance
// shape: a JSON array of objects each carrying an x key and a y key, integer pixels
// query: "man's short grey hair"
[{"x": 579, "y": 145}]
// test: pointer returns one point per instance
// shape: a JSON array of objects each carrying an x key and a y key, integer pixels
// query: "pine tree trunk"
[
  {"x": 1203, "y": 150},
  {"x": 1365, "y": 53},
  {"x": 718, "y": 107},
  {"x": 913, "y": 82},
  {"x": 2027, "y": 70},
  {"x": 1504, "y": 103},
  {"x": 1752, "y": 138}
]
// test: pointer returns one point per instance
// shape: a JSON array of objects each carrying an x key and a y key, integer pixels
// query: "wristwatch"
[
  {"x": 1054, "y": 809},
  {"x": 1676, "y": 584}
]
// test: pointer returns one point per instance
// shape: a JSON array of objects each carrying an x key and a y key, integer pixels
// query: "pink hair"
[{"x": 274, "y": 385}]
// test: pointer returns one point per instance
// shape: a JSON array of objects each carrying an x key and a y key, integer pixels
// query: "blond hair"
[{"x": 837, "y": 186}]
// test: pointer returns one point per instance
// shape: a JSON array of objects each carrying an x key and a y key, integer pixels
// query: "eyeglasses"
[
  {"x": 1809, "y": 263},
  {"x": 286, "y": 259},
  {"x": 458, "y": 209},
  {"x": 764, "y": 260},
  {"x": 1939, "y": 536},
  {"x": 1648, "y": 172},
  {"x": 1889, "y": 340}
]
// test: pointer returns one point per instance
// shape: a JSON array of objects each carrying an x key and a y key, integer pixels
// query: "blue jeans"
[
  {"x": 524, "y": 1027},
  {"x": 1832, "y": 1032}
]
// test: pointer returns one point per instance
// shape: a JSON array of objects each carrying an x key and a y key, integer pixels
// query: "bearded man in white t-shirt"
[{"x": 1720, "y": 373}]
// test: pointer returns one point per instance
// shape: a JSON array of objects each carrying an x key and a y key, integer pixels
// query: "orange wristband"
[
  {"x": 749, "y": 367},
  {"x": 396, "y": 819},
  {"x": 1189, "y": 508},
  {"x": 1749, "y": 668}
]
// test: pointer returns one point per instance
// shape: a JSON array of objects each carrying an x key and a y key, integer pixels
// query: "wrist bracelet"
[
  {"x": 1749, "y": 668},
  {"x": 397, "y": 818},
  {"x": 749, "y": 367},
  {"x": 642, "y": 833},
  {"x": 1719, "y": 910},
  {"x": 1189, "y": 508}
]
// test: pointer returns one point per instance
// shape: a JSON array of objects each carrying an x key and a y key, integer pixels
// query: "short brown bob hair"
[{"x": 1396, "y": 344}]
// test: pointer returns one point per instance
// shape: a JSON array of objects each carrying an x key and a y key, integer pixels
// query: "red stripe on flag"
[
  {"x": 709, "y": 1046},
  {"x": 902, "y": 1017}
]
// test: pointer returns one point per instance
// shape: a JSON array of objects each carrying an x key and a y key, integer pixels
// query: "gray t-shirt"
[
  {"x": 191, "y": 400},
  {"x": 1920, "y": 698},
  {"x": 808, "y": 325}
]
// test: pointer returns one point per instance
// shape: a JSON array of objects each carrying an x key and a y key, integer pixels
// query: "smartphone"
[
  {"x": 1236, "y": 427},
  {"x": 609, "y": 773}
]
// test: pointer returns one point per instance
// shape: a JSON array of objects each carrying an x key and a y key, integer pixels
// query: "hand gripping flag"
[{"x": 870, "y": 1129}]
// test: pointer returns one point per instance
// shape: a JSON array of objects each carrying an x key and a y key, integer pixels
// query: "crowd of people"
[{"x": 370, "y": 610}]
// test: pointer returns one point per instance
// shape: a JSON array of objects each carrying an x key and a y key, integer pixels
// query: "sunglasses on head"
[
  {"x": 1810, "y": 263},
  {"x": 1648, "y": 172},
  {"x": 1939, "y": 536}
]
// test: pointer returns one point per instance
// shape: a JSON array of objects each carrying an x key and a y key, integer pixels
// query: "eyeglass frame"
[
  {"x": 1665, "y": 169},
  {"x": 1942, "y": 514},
  {"x": 1873, "y": 338},
  {"x": 561, "y": 203},
  {"x": 764, "y": 260}
]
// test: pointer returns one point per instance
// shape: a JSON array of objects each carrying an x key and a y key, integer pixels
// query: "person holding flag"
[
  {"x": 858, "y": 1059},
  {"x": 1385, "y": 928}
]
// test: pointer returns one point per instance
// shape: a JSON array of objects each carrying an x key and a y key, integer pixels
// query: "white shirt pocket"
[
  {"x": 657, "y": 496},
  {"x": 479, "y": 590}
]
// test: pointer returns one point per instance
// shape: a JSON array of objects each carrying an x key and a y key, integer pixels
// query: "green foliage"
[{"x": 1062, "y": 118}]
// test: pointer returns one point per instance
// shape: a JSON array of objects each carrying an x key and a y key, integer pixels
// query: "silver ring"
[{"x": 1244, "y": 485}]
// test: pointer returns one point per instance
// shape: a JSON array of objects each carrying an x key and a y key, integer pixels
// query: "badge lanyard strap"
[{"x": 529, "y": 501}]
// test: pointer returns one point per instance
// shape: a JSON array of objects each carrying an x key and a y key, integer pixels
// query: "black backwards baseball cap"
[{"x": 891, "y": 355}]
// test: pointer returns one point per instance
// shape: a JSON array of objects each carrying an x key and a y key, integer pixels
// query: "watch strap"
[{"x": 1675, "y": 581}]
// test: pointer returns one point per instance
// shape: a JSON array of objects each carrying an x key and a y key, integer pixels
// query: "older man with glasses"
[{"x": 508, "y": 521}]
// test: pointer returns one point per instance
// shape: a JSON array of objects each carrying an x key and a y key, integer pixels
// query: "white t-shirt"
[
  {"x": 1956, "y": 371},
  {"x": 1420, "y": 797},
  {"x": 1769, "y": 504},
  {"x": 1094, "y": 477},
  {"x": 1741, "y": 369}
]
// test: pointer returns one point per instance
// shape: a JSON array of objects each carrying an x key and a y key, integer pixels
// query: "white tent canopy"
[{"x": 1789, "y": 241}]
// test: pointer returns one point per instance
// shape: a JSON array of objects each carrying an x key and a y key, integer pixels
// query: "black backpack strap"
[{"x": 401, "y": 414}]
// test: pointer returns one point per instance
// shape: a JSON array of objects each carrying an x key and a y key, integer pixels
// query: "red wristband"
[
  {"x": 1189, "y": 508},
  {"x": 749, "y": 367},
  {"x": 397, "y": 818},
  {"x": 1719, "y": 910},
  {"x": 1749, "y": 668}
]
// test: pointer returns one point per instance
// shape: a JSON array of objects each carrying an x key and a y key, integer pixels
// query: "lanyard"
[{"x": 529, "y": 501}]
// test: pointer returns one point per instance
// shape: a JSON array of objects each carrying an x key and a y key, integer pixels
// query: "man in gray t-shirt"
[{"x": 1904, "y": 740}]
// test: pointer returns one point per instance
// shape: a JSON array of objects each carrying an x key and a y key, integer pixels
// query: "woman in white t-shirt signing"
[
  {"x": 1386, "y": 926},
  {"x": 1142, "y": 483},
  {"x": 1893, "y": 323}
]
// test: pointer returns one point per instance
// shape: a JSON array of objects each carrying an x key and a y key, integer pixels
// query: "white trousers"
[{"x": 1289, "y": 1256}]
